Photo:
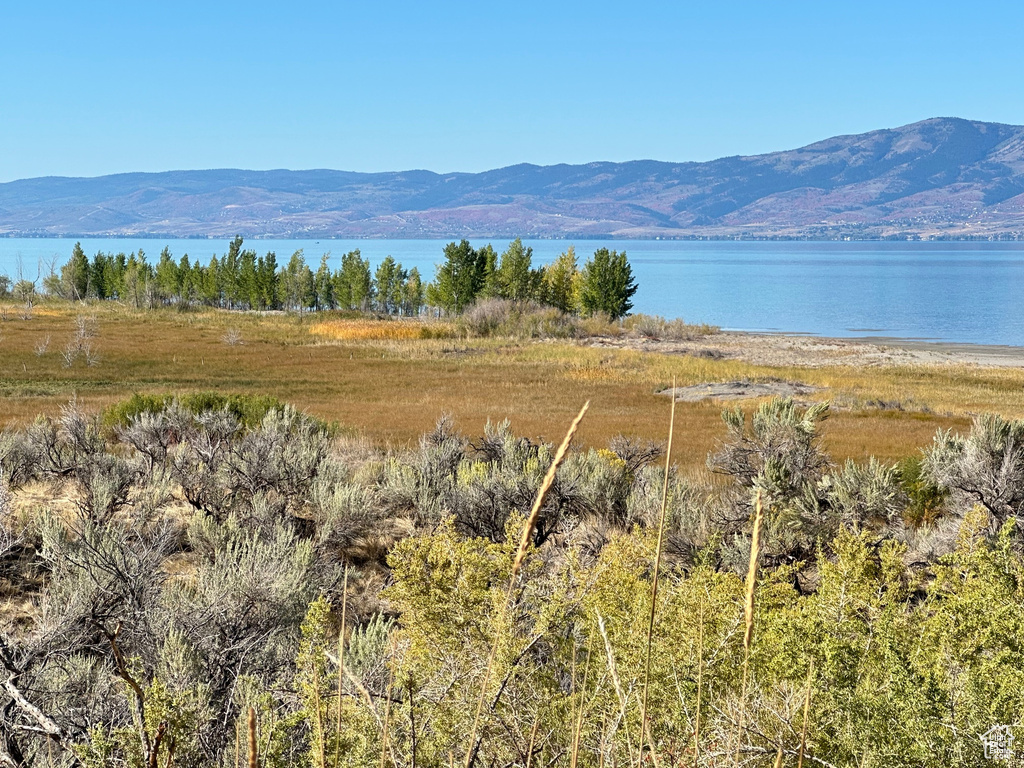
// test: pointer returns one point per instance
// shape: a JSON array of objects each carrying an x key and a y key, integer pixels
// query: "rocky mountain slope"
[{"x": 943, "y": 177}]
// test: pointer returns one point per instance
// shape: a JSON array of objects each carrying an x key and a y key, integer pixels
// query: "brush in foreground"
[
  {"x": 524, "y": 548},
  {"x": 654, "y": 582},
  {"x": 748, "y": 608},
  {"x": 538, "y": 502}
]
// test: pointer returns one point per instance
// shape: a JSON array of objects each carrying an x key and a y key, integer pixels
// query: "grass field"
[{"x": 381, "y": 380}]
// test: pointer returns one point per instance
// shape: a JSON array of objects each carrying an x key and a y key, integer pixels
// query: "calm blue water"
[{"x": 962, "y": 292}]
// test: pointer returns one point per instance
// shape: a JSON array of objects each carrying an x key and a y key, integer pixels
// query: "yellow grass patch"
[{"x": 370, "y": 330}]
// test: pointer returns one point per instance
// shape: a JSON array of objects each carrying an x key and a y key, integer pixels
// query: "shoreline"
[{"x": 806, "y": 351}]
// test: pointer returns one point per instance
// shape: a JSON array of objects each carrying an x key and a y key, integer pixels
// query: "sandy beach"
[{"x": 817, "y": 352}]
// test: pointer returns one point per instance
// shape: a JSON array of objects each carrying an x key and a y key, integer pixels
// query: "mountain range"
[{"x": 938, "y": 178}]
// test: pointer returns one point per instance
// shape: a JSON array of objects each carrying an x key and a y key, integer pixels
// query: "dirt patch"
[{"x": 740, "y": 390}]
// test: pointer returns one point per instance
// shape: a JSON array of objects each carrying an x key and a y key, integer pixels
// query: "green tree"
[
  {"x": 607, "y": 284},
  {"x": 515, "y": 277},
  {"x": 389, "y": 281},
  {"x": 247, "y": 288},
  {"x": 353, "y": 282},
  {"x": 412, "y": 301},
  {"x": 136, "y": 281},
  {"x": 267, "y": 282},
  {"x": 323, "y": 286},
  {"x": 101, "y": 277},
  {"x": 298, "y": 288},
  {"x": 230, "y": 266},
  {"x": 168, "y": 281},
  {"x": 210, "y": 283},
  {"x": 459, "y": 279},
  {"x": 558, "y": 281},
  {"x": 490, "y": 285},
  {"x": 187, "y": 289},
  {"x": 115, "y": 281},
  {"x": 75, "y": 274}
]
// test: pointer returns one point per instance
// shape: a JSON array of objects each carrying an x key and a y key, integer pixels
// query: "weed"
[
  {"x": 657, "y": 327},
  {"x": 232, "y": 337}
]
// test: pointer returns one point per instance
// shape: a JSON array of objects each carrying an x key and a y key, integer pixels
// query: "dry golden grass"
[
  {"x": 377, "y": 330},
  {"x": 393, "y": 389}
]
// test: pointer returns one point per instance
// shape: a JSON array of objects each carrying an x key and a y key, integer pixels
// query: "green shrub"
[
  {"x": 657, "y": 327},
  {"x": 926, "y": 499},
  {"x": 248, "y": 409},
  {"x": 522, "y": 320}
]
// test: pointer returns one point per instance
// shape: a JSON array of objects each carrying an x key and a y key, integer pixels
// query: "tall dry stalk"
[
  {"x": 238, "y": 741},
  {"x": 533, "y": 740},
  {"x": 542, "y": 493},
  {"x": 616, "y": 682},
  {"x": 654, "y": 582},
  {"x": 700, "y": 683},
  {"x": 387, "y": 720},
  {"x": 321, "y": 735},
  {"x": 578, "y": 729},
  {"x": 412, "y": 724},
  {"x": 807, "y": 710},
  {"x": 751, "y": 588},
  {"x": 517, "y": 564},
  {"x": 748, "y": 611},
  {"x": 341, "y": 668},
  {"x": 254, "y": 755}
]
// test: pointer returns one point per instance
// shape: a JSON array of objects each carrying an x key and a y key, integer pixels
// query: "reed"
[
  {"x": 616, "y": 682},
  {"x": 751, "y": 588},
  {"x": 341, "y": 668},
  {"x": 517, "y": 564},
  {"x": 542, "y": 493},
  {"x": 578, "y": 728},
  {"x": 748, "y": 612},
  {"x": 387, "y": 721},
  {"x": 654, "y": 581},
  {"x": 321, "y": 735},
  {"x": 254, "y": 755},
  {"x": 533, "y": 740},
  {"x": 807, "y": 711},
  {"x": 700, "y": 683},
  {"x": 412, "y": 724},
  {"x": 612, "y": 667}
]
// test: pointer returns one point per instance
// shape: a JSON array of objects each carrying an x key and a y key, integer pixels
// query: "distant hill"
[{"x": 943, "y": 177}]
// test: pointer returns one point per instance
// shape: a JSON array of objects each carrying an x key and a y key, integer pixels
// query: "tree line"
[
  {"x": 604, "y": 284},
  {"x": 242, "y": 279}
]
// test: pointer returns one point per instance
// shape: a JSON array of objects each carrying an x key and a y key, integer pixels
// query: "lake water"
[{"x": 959, "y": 292}]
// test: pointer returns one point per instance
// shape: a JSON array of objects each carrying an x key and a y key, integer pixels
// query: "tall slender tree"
[
  {"x": 459, "y": 279},
  {"x": 514, "y": 275},
  {"x": 607, "y": 284},
  {"x": 559, "y": 281}
]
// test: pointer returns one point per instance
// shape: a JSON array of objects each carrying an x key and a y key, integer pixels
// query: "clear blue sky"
[{"x": 108, "y": 87}]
